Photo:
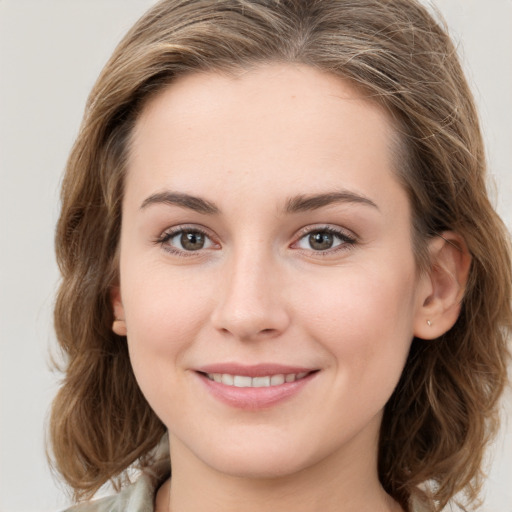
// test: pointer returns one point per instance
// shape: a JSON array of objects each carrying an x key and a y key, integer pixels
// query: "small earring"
[
  {"x": 119, "y": 327},
  {"x": 429, "y": 323}
]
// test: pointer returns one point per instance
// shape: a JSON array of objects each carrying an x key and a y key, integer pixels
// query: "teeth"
[
  {"x": 243, "y": 381},
  {"x": 276, "y": 380},
  {"x": 227, "y": 379},
  {"x": 260, "y": 382}
]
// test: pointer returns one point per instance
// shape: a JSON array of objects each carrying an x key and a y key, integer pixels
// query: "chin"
[
  {"x": 259, "y": 458},
  {"x": 258, "y": 468}
]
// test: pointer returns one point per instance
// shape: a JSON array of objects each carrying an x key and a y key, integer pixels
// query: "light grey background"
[{"x": 50, "y": 54}]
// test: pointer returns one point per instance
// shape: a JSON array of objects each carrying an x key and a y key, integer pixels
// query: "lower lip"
[{"x": 255, "y": 398}]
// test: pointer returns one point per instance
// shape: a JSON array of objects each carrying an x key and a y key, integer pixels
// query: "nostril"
[{"x": 245, "y": 318}]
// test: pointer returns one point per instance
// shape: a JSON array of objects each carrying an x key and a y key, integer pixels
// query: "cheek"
[
  {"x": 164, "y": 314},
  {"x": 161, "y": 306},
  {"x": 365, "y": 319}
]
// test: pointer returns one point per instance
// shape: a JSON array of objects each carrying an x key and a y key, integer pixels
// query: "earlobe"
[
  {"x": 444, "y": 286},
  {"x": 119, "y": 324},
  {"x": 119, "y": 327}
]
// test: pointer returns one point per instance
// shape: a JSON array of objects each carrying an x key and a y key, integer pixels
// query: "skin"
[{"x": 258, "y": 291}]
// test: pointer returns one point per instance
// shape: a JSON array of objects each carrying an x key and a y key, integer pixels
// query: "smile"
[
  {"x": 245, "y": 381},
  {"x": 254, "y": 387}
]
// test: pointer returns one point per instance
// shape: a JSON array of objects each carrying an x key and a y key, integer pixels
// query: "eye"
[
  {"x": 325, "y": 239},
  {"x": 185, "y": 240}
]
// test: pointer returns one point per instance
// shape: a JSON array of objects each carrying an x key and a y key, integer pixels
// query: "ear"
[
  {"x": 119, "y": 324},
  {"x": 443, "y": 286}
]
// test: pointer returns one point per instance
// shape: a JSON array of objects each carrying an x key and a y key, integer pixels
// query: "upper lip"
[{"x": 254, "y": 370}]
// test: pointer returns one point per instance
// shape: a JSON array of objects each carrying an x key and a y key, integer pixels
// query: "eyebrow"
[
  {"x": 296, "y": 204},
  {"x": 185, "y": 200},
  {"x": 304, "y": 203}
]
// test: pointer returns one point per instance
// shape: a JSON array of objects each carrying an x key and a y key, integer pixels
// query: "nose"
[{"x": 251, "y": 302}]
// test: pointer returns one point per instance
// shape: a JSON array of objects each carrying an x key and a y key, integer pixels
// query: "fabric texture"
[{"x": 137, "y": 497}]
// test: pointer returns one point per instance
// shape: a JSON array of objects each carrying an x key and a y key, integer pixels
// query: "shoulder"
[
  {"x": 137, "y": 497},
  {"x": 417, "y": 505}
]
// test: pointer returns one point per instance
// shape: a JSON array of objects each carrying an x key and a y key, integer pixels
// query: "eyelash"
[
  {"x": 168, "y": 235},
  {"x": 346, "y": 241}
]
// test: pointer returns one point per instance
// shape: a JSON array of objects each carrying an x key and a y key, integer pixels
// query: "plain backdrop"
[{"x": 50, "y": 54}]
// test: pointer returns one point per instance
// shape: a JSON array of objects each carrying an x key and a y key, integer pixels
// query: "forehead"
[
  {"x": 270, "y": 126},
  {"x": 291, "y": 90}
]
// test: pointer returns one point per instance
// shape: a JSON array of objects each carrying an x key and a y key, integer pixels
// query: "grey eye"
[
  {"x": 321, "y": 240},
  {"x": 190, "y": 240},
  {"x": 325, "y": 239}
]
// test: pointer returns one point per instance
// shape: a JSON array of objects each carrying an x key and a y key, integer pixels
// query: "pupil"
[
  {"x": 321, "y": 241},
  {"x": 192, "y": 241}
]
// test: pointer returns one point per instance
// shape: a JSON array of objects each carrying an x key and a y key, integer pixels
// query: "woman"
[{"x": 277, "y": 248}]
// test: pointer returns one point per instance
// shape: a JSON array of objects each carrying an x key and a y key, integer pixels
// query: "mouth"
[
  {"x": 254, "y": 387},
  {"x": 246, "y": 381}
]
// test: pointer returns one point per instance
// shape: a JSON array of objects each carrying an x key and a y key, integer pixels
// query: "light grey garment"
[{"x": 137, "y": 497}]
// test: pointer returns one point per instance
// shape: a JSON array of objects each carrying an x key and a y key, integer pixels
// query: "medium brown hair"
[{"x": 444, "y": 409}]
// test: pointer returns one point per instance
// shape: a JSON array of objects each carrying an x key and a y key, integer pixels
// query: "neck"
[{"x": 327, "y": 485}]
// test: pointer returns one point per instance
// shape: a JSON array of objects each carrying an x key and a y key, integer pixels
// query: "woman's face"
[{"x": 267, "y": 276}]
